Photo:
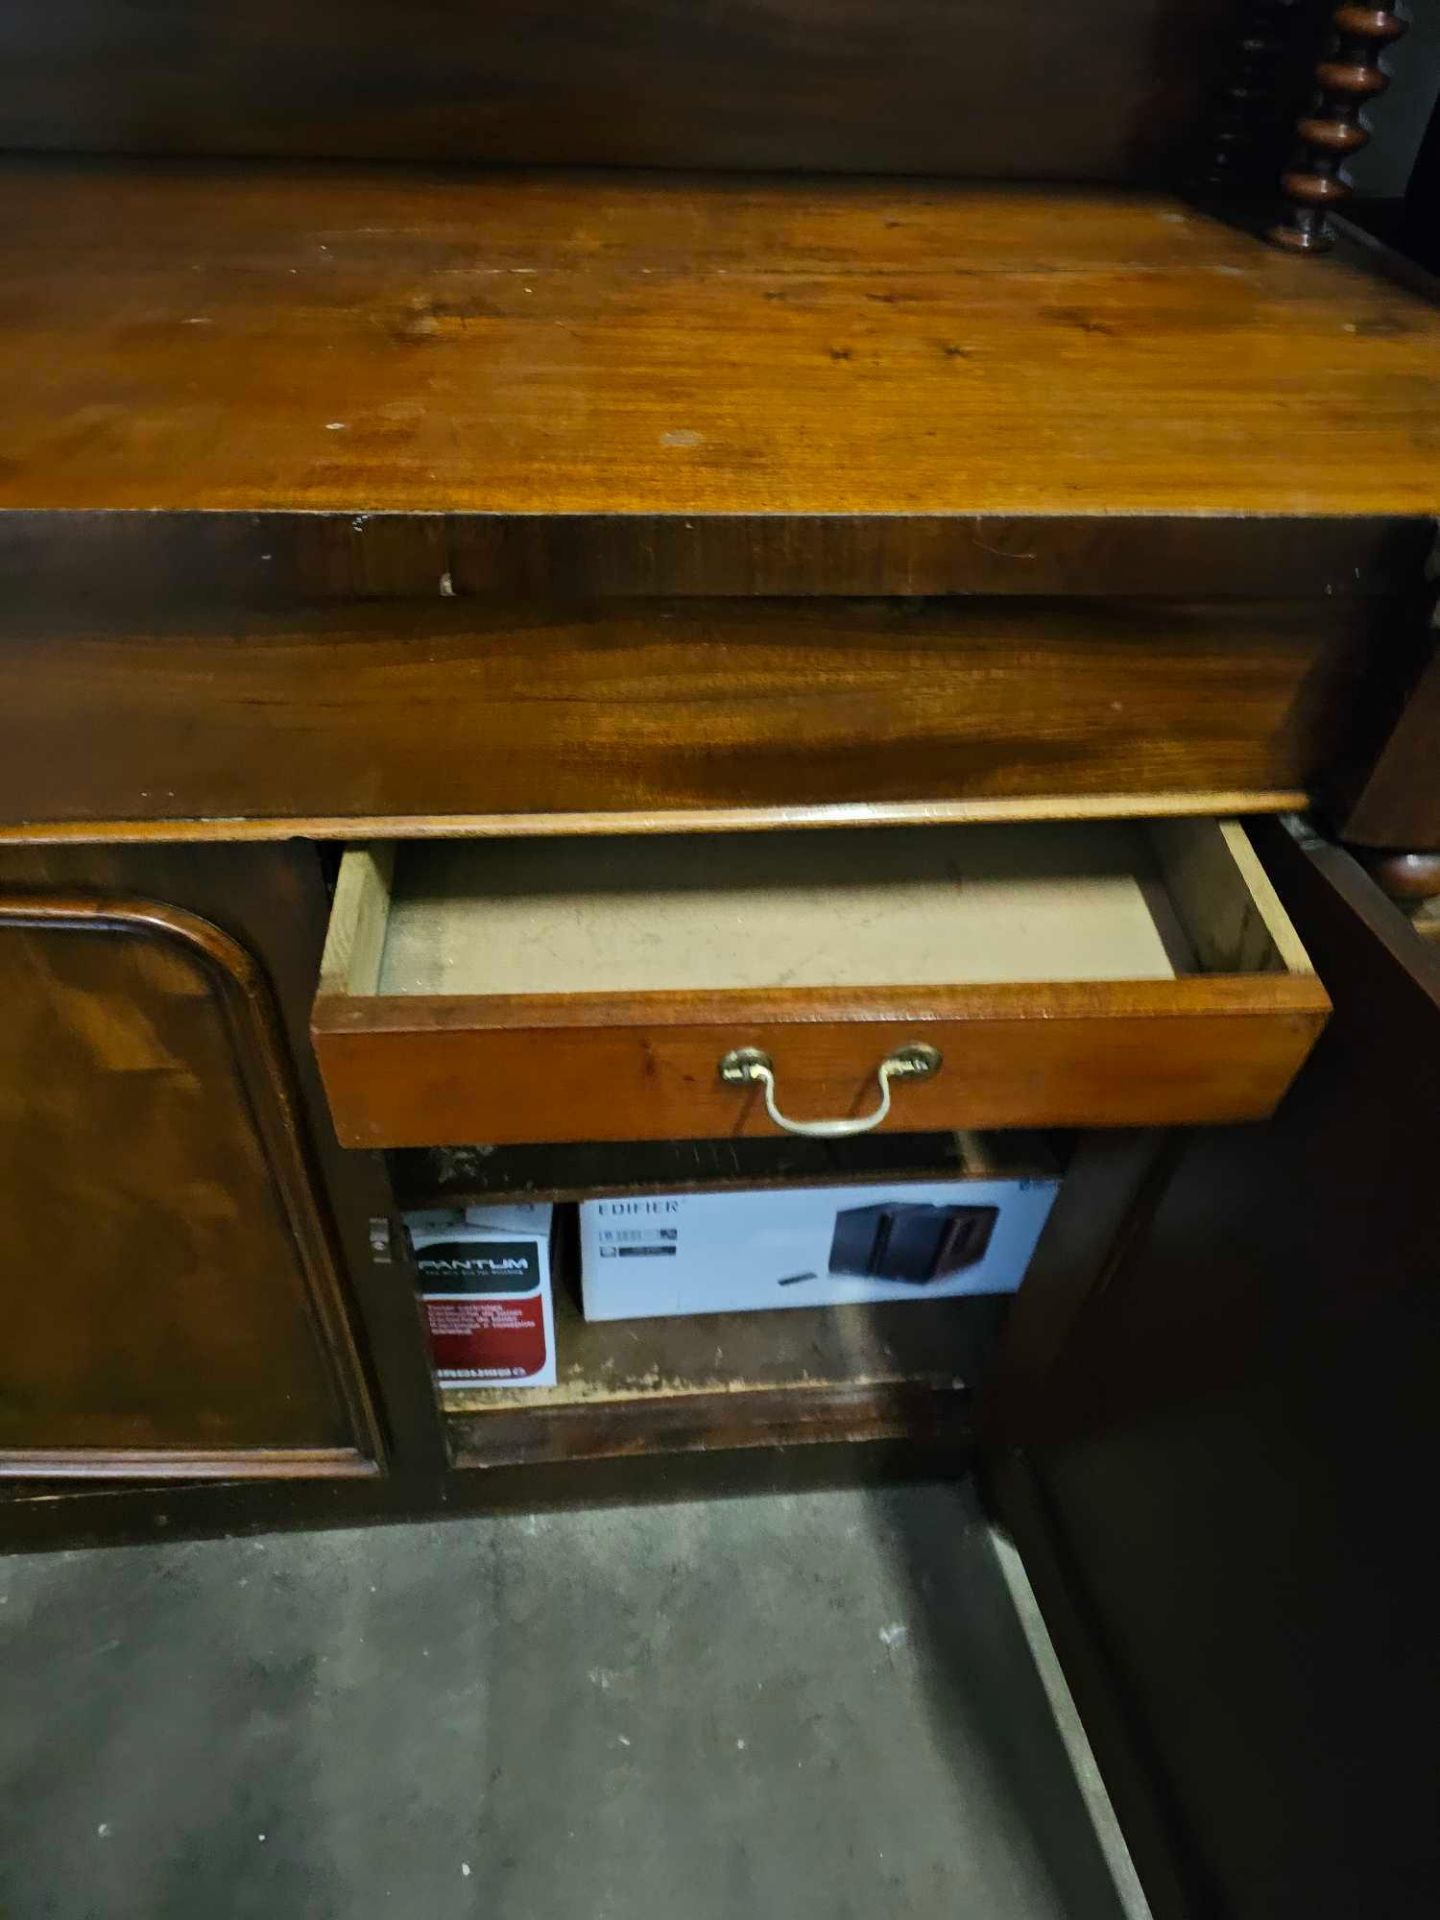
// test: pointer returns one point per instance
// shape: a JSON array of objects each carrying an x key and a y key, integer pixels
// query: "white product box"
[
  {"x": 808, "y": 1246},
  {"x": 485, "y": 1285}
]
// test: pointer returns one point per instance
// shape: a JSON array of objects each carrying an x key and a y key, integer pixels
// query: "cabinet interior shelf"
[{"x": 902, "y": 1371}]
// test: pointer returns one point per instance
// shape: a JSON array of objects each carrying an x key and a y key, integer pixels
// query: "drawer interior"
[{"x": 864, "y": 908}]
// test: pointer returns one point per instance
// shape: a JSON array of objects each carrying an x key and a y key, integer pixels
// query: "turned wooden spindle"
[
  {"x": 1347, "y": 78},
  {"x": 1412, "y": 881}
]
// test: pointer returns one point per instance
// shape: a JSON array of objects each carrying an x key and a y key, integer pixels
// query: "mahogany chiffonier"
[{"x": 475, "y": 486}]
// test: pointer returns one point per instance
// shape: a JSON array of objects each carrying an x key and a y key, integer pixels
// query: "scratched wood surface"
[
  {"x": 725, "y": 1382},
  {"x": 617, "y": 1361},
  {"x": 203, "y": 337}
]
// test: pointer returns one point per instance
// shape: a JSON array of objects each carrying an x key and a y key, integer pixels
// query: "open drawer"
[{"x": 707, "y": 985}]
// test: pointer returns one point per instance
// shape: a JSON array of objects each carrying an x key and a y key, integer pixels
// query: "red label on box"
[{"x": 488, "y": 1339}]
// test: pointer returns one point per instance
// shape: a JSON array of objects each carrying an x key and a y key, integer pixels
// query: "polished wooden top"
[{"x": 181, "y": 335}]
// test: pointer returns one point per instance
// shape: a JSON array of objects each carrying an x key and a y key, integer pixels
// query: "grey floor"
[{"x": 820, "y": 1705}]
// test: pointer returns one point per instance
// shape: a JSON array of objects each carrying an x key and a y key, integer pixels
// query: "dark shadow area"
[{"x": 1262, "y": 1573}]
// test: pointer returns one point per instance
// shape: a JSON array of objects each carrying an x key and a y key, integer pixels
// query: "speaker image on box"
[{"x": 909, "y": 1241}]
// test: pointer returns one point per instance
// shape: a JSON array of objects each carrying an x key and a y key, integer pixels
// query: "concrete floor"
[{"x": 798, "y": 1706}]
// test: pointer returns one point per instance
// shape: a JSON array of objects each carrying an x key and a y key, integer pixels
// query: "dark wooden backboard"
[{"x": 1054, "y": 89}]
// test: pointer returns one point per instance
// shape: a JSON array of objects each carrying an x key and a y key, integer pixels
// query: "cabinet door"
[
  {"x": 1225, "y": 1499},
  {"x": 171, "y": 1303}
]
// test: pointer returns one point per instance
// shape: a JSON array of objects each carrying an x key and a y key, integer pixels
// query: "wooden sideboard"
[{"x": 644, "y": 448}]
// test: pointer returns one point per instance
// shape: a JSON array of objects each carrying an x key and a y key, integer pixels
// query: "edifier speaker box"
[{"x": 808, "y": 1246}]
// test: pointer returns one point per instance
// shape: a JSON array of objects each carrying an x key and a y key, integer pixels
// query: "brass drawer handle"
[{"x": 748, "y": 1066}]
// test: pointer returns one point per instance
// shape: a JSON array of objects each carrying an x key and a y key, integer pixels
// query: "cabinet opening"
[{"x": 900, "y": 1372}]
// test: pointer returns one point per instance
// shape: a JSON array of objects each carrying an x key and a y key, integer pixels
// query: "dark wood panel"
[
  {"x": 172, "y": 1304},
  {"x": 1112, "y": 1181},
  {"x": 1325, "y": 1205},
  {"x": 200, "y": 337},
  {"x": 1242, "y": 1439},
  {"x": 1399, "y": 805},
  {"x": 272, "y": 900},
  {"x": 469, "y": 708},
  {"x": 1113, "y": 89},
  {"x": 104, "y": 557},
  {"x": 933, "y": 1427},
  {"x": 94, "y": 1515}
]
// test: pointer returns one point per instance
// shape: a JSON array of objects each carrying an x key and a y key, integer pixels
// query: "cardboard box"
[
  {"x": 485, "y": 1285},
  {"x": 808, "y": 1246}
]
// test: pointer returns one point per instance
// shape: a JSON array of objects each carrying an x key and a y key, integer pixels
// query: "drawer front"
[
  {"x": 595, "y": 990},
  {"x": 376, "y": 718},
  {"x": 1120, "y": 1066}
]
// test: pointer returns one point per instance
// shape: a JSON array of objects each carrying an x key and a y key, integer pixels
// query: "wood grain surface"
[
  {"x": 455, "y": 708},
  {"x": 240, "y": 829},
  {"x": 170, "y": 1293},
  {"x": 203, "y": 337},
  {"x": 1112, "y": 89},
  {"x": 428, "y": 1072},
  {"x": 272, "y": 899}
]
